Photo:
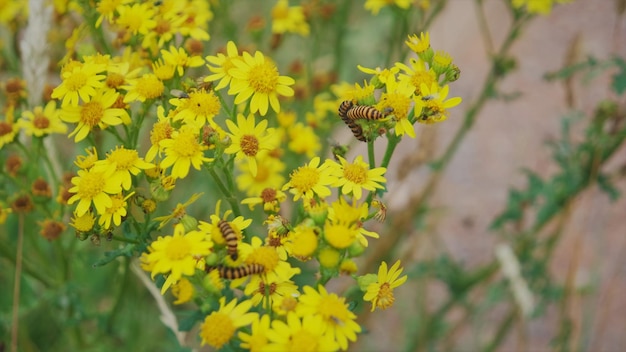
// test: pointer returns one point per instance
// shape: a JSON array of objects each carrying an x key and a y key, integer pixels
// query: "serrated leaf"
[
  {"x": 607, "y": 187},
  {"x": 111, "y": 255},
  {"x": 189, "y": 319}
]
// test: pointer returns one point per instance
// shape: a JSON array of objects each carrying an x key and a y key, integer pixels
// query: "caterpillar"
[
  {"x": 344, "y": 107},
  {"x": 364, "y": 112},
  {"x": 232, "y": 273},
  {"x": 356, "y": 129},
  {"x": 230, "y": 237}
]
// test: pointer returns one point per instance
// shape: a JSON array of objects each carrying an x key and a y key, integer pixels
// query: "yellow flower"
[
  {"x": 82, "y": 81},
  {"x": 182, "y": 151},
  {"x": 268, "y": 175},
  {"x": 374, "y": 6},
  {"x": 87, "y": 161},
  {"x": 161, "y": 130},
  {"x": 183, "y": 291},
  {"x": 348, "y": 216},
  {"x": 248, "y": 139},
  {"x": 8, "y": 128},
  {"x": 339, "y": 235},
  {"x": 303, "y": 140},
  {"x": 417, "y": 74},
  {"x": 115, "y": 212},
  {"x": 212, "y": 230},
  {"x": 180, "y": 59},
  {"x": 179, "y": 211},
  {"x": 266, "y": 291},
  {"x": 286, "y": 19},
  {"x": 98, "y": 112},
  {"x": 275, "y": 269},
  {"x": 541, "y": 7},
  {"x": 302, "y": 335},
  {"x": 258, "y": 79},
  {"x": 269, "y": 197},
  {"x": 107, "y": 9},
  {"x": 302, "y": 242},
  {"x": 126, "y": 163},
  {"x": 311, "y": 179},
  {"x": 220, "y": 326},
  {"x": 42, "y": 121},
  {"x": 83, "y": 223},
  {"x": 221, "y": 65},
  {"x": 419, "y": 44},
  {"x": 148, "y": 86},
  {"x": 177, "y": 255},
  {"x": 380, "y": 293},
  {"x": 201, "y": 106},
  {"x": 93, "y": 186},
  {"x": 136, "y": 18},
  {"x": 337, "y": 319},
  {"x": 355, "y": 176},
  {"x": 256, "y": 340},
  {"x": 435, "y": 104}
]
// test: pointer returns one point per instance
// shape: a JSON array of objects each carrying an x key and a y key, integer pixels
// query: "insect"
[
  {"x": 230, "y": 237},
  {"x": 232, "y": 273},
  {"x": 344, "y": 107},
  {"x": 202, "y": 84},
  {"x": 363, "y": 112},
  {"x": 179, "y": 94}
]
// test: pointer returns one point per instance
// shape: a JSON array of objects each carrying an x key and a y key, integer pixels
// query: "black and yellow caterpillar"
[
  {"x": 232, "y": 273},
  {"x": 230, "y": 237}
]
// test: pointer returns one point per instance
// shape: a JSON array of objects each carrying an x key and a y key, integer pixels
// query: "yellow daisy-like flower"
[
  {"x": 541, "y": 7},
  {"x": 179, "y": 211},
  {"x": 161, "y": 130},
  {"x": 262, "y": 290},
  {"x": 356, "y": 176},
  {"x": 136, "y": 18},
  {"x": 302, "y": 242},
  {"x": 398, "y": 99},
  {"x": 419, "y": 44},
  {"x": 303, "y": 335},
  {"x": 182, "y": 151},
  {"x": 201, "y": 106},
  {"x": 339, "y": 235},
  {"x": 220, "y": 326},
  {"x": 257, "y": 78},
  {"x": 380, "y": 293},
  {"x": 374, "y": 6},
  {"x": 268, "y": 175},
  {"x": 148, "y": 86},
  {"x": 95, "y": 187},
  {"x": 183, "y": 290},
  {"x": 350, "y": 216},
  {"x": 275, "y": 269},
  {"x": 212, "y": 230},
  {"x": 115, "y": 212},
  {"x": 303, "y": 140},
  {"x": 310, "y": 180},
  {"x": 417, "y": 74},
  {"x": 178, "y": 58},
  {"x": 87, "y": 161},
  {"x": 8, "y": 128},
  {"x": 221, "y": 65},
  {"x": 435, "y": 104},
  {"x": 248, "y": 139},
  {"x": 256, "y": 340},
  {"x": 126, "y": 163},
  {"x": 83, "y": 223},
  {"x": 42, "y": 121},
  {"x": 82, "y": 82},
  {"x": 289, "y": 19},
  {"x": 98, "y": 112},
  {"x": 177, "y": 255},
  {"x": 337, "y": 319},
  {"x": 270, "y": 198},
  {"x": 381, "y": 75}
]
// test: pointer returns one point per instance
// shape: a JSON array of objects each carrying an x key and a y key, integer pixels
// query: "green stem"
[
  {"x": 505, "y": 326},
  {"x": 229, "y": 197},
  {"x": 120, "y": 297},
  {"x": 370, "y": 154}
]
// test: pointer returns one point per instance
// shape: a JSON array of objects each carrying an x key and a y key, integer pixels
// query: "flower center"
[
  {"x": 5, "y": 128},
  {"x": 204, "y": 104},
  {"x": 303, "y": 341},
  {"x": 385, "y": 296},
  {"x": 149, "y": 86},
  {"x": 263, "y": 78},
  {"x": 333, "y": 309},
  {"x": 339, "y": 236},
  {"x": 305, "y": 178},
  {"x": 41, "y": 121},
  {"x": 76, "y": 81},
  {"x": 162, "y": 26},
  {"x": 268, "y": 195},
  {"x": 92, "y": 113},
  {"x": 185, "y": 144},
  {"x": 160, "y": 131},
  {"x": 249, "y": 145},
  {"x": 124, "y": 158},
  {"x": 355, "y": 173},
  {"x": 178, "y": 248},
  {"x": 304, "y": 244},
  {"x": 266, "y": 256},
  {"x": 114, "y": 80},
  {"x": 217, "y": 329},
  {"x": 91, "y": 184}
]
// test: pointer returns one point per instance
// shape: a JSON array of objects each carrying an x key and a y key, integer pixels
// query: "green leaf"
[
  {"x": 604, "y": 182},
  {"x": 111, "y": 255},
  {"x": 619, "y": 79}
]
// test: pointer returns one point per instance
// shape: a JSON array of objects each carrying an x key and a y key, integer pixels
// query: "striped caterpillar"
[
  {"x": 230, "y": 237},
  {"x": 232, "y": 273}
]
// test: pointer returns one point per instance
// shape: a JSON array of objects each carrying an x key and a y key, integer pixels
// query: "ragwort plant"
[{"x": 209, "y": 168}]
